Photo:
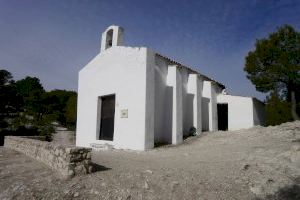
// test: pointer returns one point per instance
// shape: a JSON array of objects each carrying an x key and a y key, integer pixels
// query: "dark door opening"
[
  {"x": 107, "y": 118},
  {"x": 222, "y": 117}
]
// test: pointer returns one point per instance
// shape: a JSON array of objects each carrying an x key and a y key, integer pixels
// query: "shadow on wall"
[
  {"x": 205, "y": 113},
  {"x": 259, "y": 113},
  {"x": 189, "y": 115},
  {"x": 168, "y": 114}
]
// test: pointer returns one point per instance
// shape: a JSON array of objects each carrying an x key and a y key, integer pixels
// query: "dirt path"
[
  {"x": 63, "y": 136},
  {"x": 259, "y": 163}
]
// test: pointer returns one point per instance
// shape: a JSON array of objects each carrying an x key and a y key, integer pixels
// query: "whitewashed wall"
[
  {"x": 174, "y": 80},
  {"x": 194, "y": 103},
  {"x": 209, "y": 105},
  {"x": 163, "y": 103},
  {"x": 126, "y": 72},
  {"x": 177, "y": 102},
  {"x": 240, "y": 111},
  {"x": 187, "y": 103}
]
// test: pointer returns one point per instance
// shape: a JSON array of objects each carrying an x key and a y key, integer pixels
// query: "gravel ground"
[
  {"x": 64, "y": 137},
  {"x": 257, "y": 163}
]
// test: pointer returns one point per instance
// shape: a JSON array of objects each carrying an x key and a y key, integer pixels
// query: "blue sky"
[{"x": 54, "y": 39}]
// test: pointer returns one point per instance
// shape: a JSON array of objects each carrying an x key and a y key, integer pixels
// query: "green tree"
[
  {"x": 71, "y": 111},
  {"x": 32, "y": 92},
  {"x": 29, "y": 85},
  {"x": 274, "y": 66},
  {"x": 27, "y": 109},
  {"x": 277, "y": 110},
  {"x": 56, "y": 102},
  {"x": 5, "y": 77},
  {"x": 9, "y": 100}
]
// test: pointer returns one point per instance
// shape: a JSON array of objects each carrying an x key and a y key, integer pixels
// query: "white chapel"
[{"x": 133, "y": 97}]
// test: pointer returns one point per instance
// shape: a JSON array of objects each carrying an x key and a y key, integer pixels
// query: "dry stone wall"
[{"x": 68, "y": 161}]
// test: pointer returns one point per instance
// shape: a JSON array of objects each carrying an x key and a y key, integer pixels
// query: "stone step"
[{"x": 101, "y": 147}]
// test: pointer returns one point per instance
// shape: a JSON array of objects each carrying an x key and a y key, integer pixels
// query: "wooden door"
[{"x": 107, "y": 118}]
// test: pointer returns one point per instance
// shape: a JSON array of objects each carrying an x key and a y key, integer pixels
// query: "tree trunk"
[{"x": 293, "y": 110}]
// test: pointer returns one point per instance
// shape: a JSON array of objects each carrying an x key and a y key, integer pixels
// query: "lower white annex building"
[{"x": 132, "y": 97}]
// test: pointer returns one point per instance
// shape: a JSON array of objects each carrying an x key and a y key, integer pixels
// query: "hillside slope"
[{"x": 256, "y": 163}]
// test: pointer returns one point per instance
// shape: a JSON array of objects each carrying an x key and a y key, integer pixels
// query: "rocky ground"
[{"x": 257, "y": 163}]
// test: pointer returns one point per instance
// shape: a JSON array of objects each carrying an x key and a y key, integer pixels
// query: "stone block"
[{"x": 68, "y": 161}]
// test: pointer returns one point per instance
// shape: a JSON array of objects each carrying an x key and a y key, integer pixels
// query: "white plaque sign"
[{"x": 124, "y": 113}]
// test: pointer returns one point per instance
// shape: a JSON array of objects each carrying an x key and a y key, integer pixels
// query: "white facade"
[
  {"x": 155, "y": 99},
  {"x": 243, "y": 112}
]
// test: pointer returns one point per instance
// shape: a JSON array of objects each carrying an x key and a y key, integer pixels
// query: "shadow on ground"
[
  {"x": 98, "y": 168},
  {"x": 289, "y": 192}
]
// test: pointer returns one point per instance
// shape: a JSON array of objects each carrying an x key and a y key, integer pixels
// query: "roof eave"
[{"x": 191, "y": 69}]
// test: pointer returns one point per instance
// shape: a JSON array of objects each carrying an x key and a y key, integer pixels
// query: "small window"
[{"x": 109, "y": 38}]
